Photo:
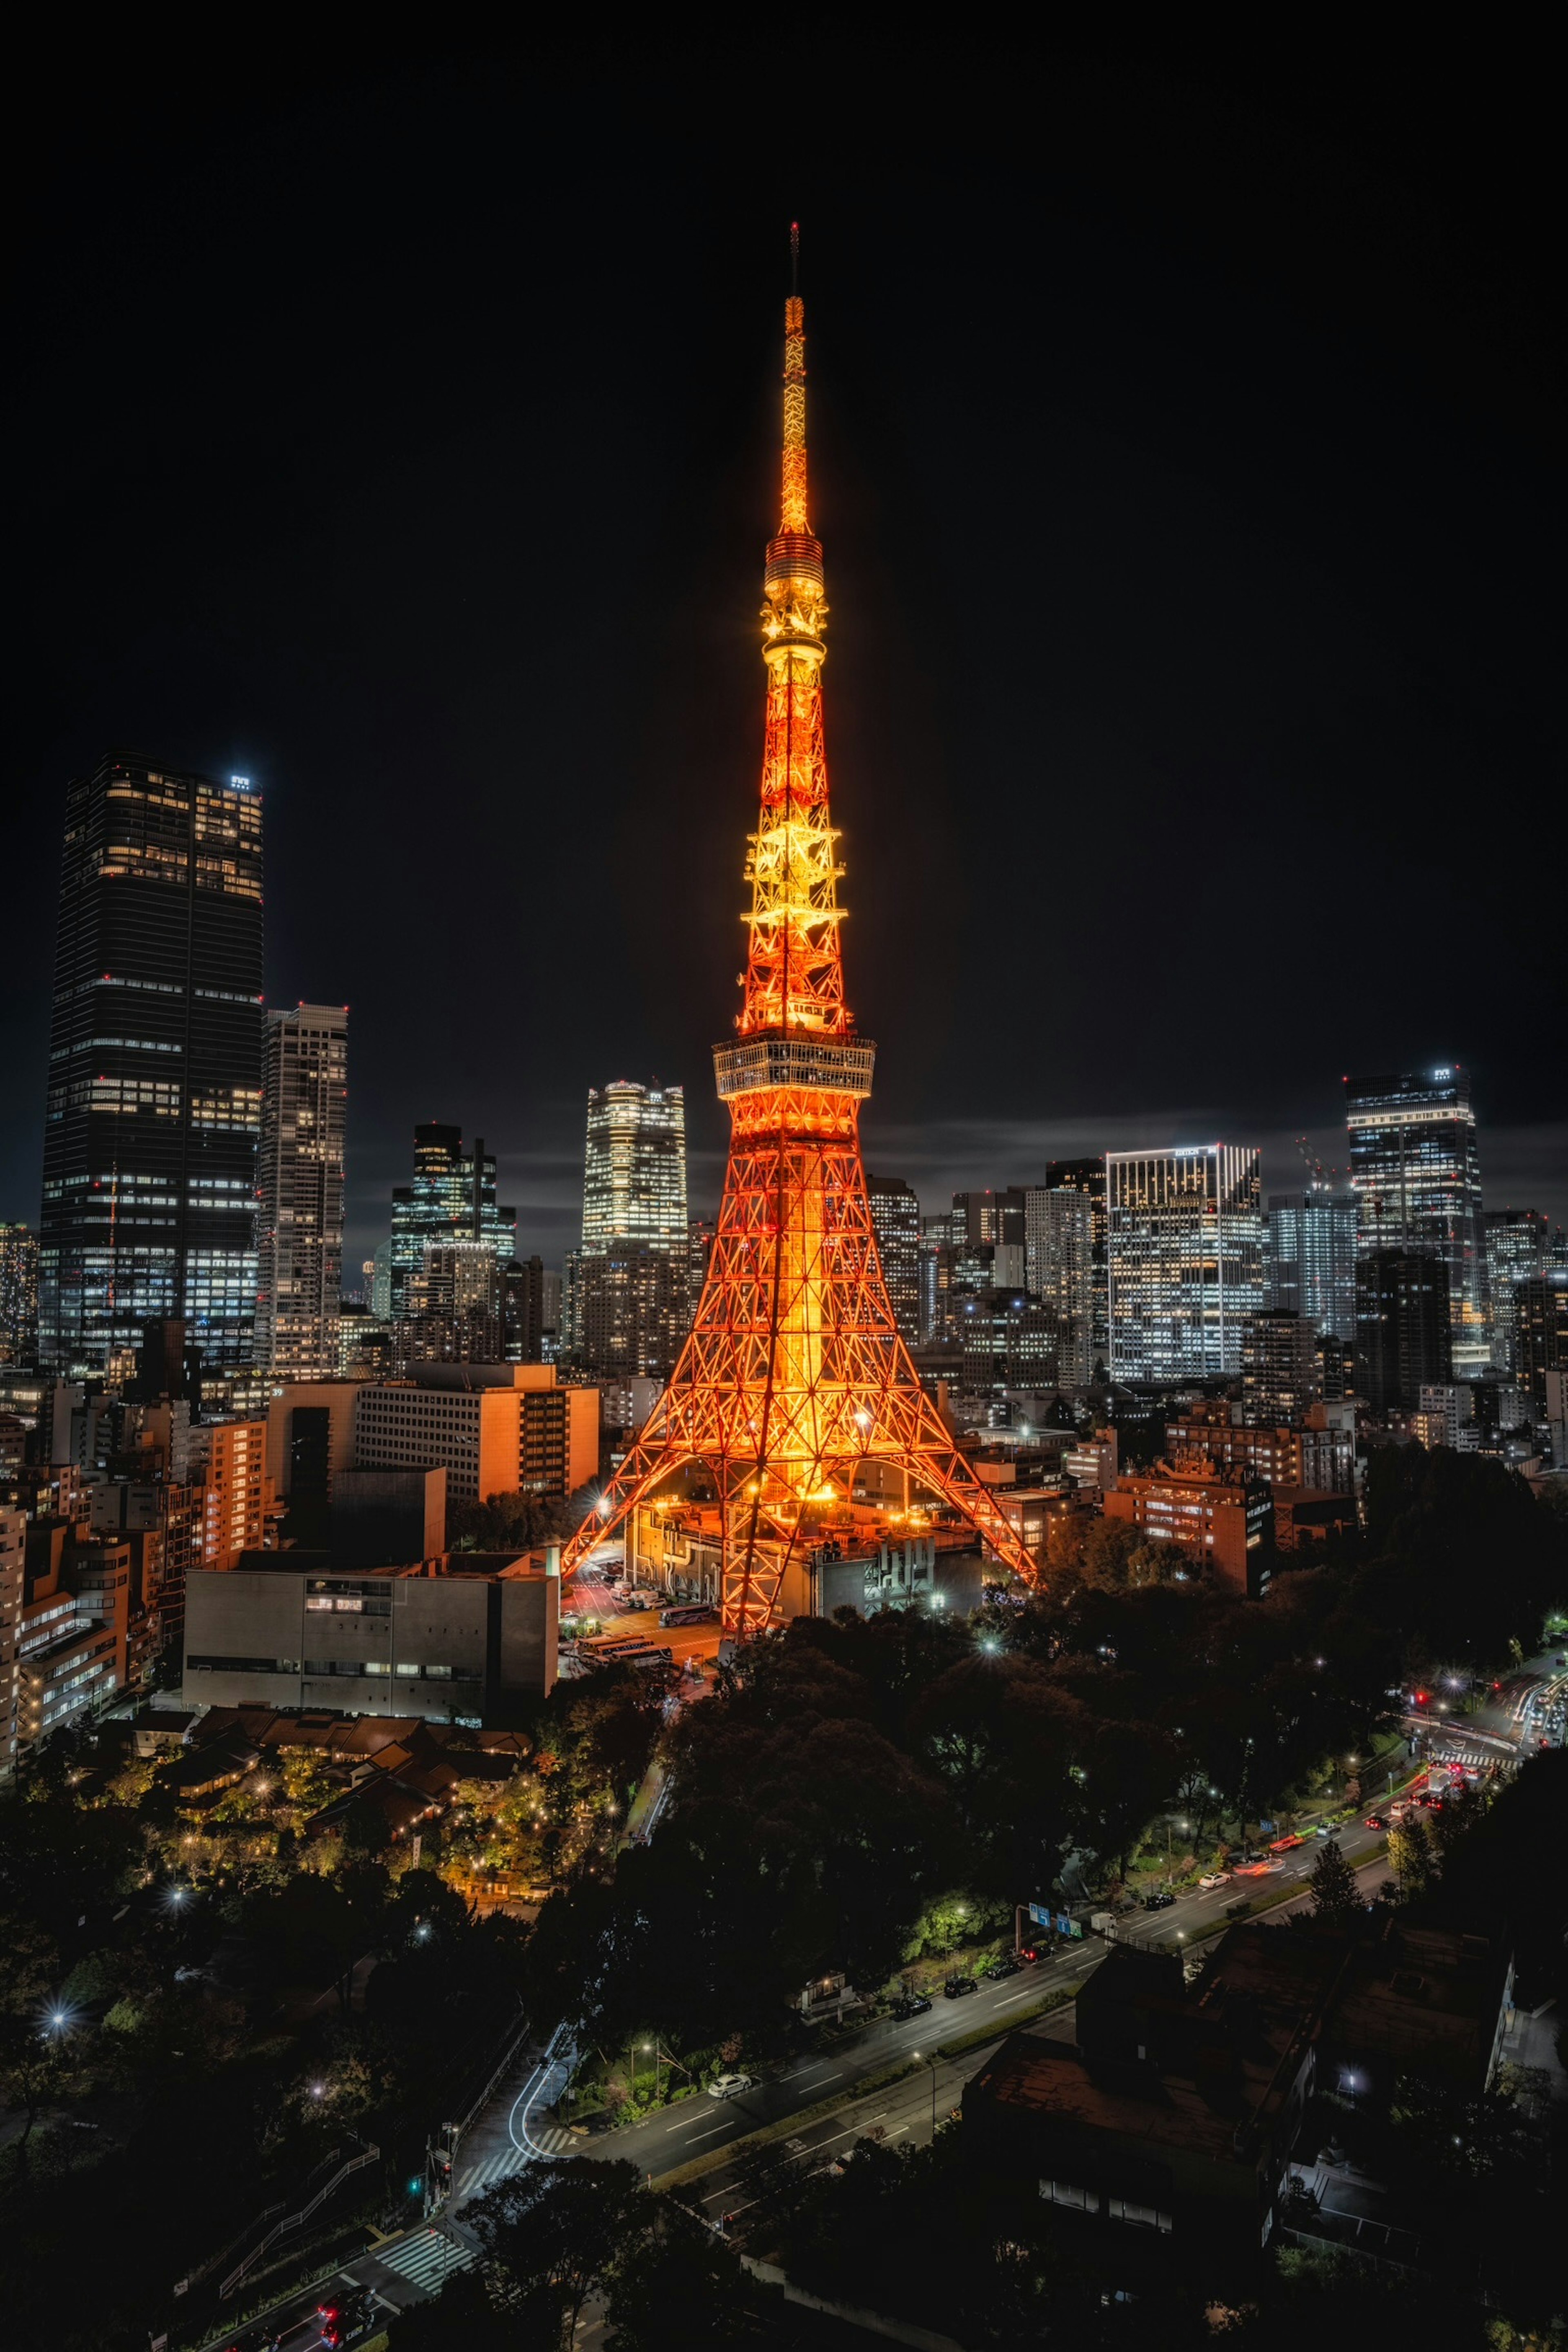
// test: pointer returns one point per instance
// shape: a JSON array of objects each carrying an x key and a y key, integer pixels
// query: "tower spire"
[{"x": 792, "y": 511}]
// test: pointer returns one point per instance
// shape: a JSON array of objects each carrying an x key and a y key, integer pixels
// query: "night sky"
[{"x": 1185, "y": 443}]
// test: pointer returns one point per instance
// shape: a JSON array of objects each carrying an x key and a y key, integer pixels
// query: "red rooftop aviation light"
[{"x": 795, "y": 1377}]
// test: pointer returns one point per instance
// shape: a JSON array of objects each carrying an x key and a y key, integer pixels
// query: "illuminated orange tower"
[{"x": 795, "y": 1377}]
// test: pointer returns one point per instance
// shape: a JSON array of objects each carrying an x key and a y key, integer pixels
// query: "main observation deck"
[{"x": 751, "y": 1066}]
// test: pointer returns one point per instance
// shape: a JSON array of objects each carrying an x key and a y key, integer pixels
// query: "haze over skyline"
[{"x": 1183, "y": 464}]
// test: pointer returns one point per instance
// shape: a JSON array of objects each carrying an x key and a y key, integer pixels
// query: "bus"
[{"x": 693, "y": 1612}]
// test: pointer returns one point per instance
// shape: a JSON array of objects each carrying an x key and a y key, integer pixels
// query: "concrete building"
[
  {"x": 475, "y": 1643},
  {"x": 232, "y": 1490},
  {"x": 1088, "y": 1177},
  {"x": 13, "y": 1594},
  {"x": 1221, "y": 1518},
  {"x": 1320, "y": 1454},
  {"x": 1281, "y": 1370},
  {"x": 497, "y": 1429},
  {"x": 304, "y": 1115},
  {"x": 382, "y": 1518},
  {"x": 1541, "y": 1330},
  {"x": 310, "y": 1440}
]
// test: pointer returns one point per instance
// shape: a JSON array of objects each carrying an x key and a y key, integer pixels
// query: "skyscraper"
[
  {"x": 153, "y": 1109},
  {"x": 1059, "y": 1268},
  {"x": 18, "y": 1294},
  {"x": 1309, "y": 1258},
  {"x": 451, "y": 1198},
  {"x": 1404, "y": 1329},
  {"x": 304, "y": 1111},
  {"x": 1088, "y": 1177},
  {"x": 1518, "y": 1248},
  {"x": 1417, "y": 1181},
  {"x": 1186, "y": 1251},
  {"x": 1541, "y": 1330},
  {"x": 896, "y": 1215},
  {"x": 634, "y": 1176},
  {"x": 627, "y": 1300}
]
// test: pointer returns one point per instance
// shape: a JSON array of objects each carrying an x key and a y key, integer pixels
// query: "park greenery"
[{"x": 215, "y": 1991}]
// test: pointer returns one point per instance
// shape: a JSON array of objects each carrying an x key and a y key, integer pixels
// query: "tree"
[
  {"x": 556, "y": 2231},
  {"x": 464, "y": 2318},
  {"x": 677, "y": 2286},
  {"x": 1335, "y": 1894},
  {"x": 1410, "y": 1856}
]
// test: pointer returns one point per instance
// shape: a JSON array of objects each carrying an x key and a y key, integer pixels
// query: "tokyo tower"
[{"x": 795, "y": 1380}]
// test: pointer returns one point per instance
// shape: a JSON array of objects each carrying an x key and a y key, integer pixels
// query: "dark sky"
[{"x": 1185, "y": 443}]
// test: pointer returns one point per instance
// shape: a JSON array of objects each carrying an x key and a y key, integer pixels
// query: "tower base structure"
[{"x": 795, "y": 1379}]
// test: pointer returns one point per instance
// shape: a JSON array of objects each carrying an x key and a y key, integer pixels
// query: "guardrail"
[{"x": 294, "y": 2220}]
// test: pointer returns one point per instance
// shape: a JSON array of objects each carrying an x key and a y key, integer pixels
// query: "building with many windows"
[
  {"x": 896, "y": 1215},
  {"x": 1518, "y": 1248},
  {"x": 1185, "y": 1259},
  {"x": 451, "y": 1198},
  {"x": 1059, "y": 1269},
  {"x": 1417, "y": 1180},
  {"x": 626, "y": 1307},
  {"x": 153, "y": 1108},
  {"x": 1540, "y": 1331},
  {"x": 1281, "y": 1370},
  {"x": 634, "y": 1176},
  {"x": 1404, "y": 1339},
  {"x": 497, "y": 1429},
  {"x": 1088, "y": 1177},
  {"x": 304, "y": 1113},
  {"x": 18, "y": 1294},
  {"x": 1309, "y": 1255},
  {"x": 1221, "y": 1517}
]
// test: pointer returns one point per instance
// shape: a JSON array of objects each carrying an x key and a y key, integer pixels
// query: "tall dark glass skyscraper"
[
  {"x": 155, "y": 1093},
  {"x": 1309, "y": 1258},
  {"x": 1418, "y": 1186}
]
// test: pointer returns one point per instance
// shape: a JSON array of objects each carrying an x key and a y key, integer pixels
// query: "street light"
[{"x": 933, "y": 2063}]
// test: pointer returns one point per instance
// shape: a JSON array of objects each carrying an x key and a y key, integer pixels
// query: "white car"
[
  {"x": 1216, "y": 1878},
  {"x": 729, "y": 2087}
]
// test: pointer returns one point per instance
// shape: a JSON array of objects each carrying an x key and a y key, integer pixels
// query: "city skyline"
[{"x": 1247, "y": 590}]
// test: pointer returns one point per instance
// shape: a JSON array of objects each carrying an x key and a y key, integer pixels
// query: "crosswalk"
[{"x": 427, "y": 2260}]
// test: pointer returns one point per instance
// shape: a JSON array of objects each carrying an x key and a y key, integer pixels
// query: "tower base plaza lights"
[{"x": 795, "y": 1379}]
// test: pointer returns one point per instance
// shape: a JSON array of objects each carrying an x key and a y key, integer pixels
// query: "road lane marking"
[
  {"x": 1012, "y": 1997},
  {"x": 707, "y": 2135}
]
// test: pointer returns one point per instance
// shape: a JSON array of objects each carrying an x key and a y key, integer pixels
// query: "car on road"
[
  {"x": 956, "y": 1986},
  {"x": 1028, "y": 1954},
  {"x": 344, "y": 2322},
  {"x": 1212, "y": 1878},
  {"x": 1004, "y": 1965},
  {"x": 1158, "y": 1902},
  {"x": 1287, "y": 1844},
  {"x": 908, "y": 2004},
  {"x": 729, "y": 2087},
  {"x": 1374, "y": 1822}
]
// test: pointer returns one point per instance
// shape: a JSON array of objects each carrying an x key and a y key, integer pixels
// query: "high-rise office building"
[
  {"x": 1281, "y": 1371},
  {"x": 1518, "y": 1246},
  {"x": 1059, "y": 1268},
  {"x": 18, "y": 1294},
  {"x": 896, "y": 1215},
  {"x": 1417, "y": 1180},
  {"x": 1309, "y": 1255},
  {"x": 153, "y": 1110},
  {"x": 625, "y": 1305},
  {"x": 1404, "y": 1326},
  {"x": 634, "y": 1176},
  {"x": 304, "y": 1112},
  {"x": 996, "y": 1217},
  {"x": 451, "y": 1198},
  {"x": 1541, "y": 1330},
  {"x": 1088, "y": 1177},
  {"x": 1185, "y": 1259}
]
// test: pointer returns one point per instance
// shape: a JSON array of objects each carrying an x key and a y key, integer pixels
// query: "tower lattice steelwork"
[{"x": 794, "y": 1378}]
